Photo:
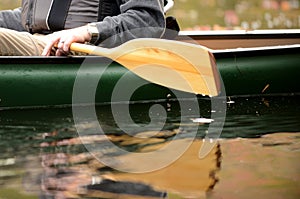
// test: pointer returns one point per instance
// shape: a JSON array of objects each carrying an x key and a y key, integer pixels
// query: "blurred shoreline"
[{"x": 226, "y": 15}]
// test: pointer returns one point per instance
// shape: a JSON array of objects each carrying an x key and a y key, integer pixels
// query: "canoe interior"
[{"x": 241, "y": 39}]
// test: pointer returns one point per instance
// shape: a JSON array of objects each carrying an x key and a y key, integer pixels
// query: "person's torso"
[{"x": 45, "y": 16}]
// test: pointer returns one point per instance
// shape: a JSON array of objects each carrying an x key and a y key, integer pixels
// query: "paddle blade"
[
  {"x": 173, "y": 64},
  {"x": 182, "y": 66}
]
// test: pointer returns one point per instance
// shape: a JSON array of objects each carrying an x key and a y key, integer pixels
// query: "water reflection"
[
  {"x": 43, "y": 157},
  {"x": 68, "y": 171}
]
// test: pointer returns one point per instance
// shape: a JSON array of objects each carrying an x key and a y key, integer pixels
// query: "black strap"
[
  {"x": 108, "y": 8},
  {"x": 58, "y": 14},
  {"x": 172, "y": 28}
]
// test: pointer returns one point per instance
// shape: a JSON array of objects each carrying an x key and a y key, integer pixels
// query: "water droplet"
[{"x": 202, "y": 120}]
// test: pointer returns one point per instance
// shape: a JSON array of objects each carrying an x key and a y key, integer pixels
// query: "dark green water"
[{"x": 41, "y": 155}]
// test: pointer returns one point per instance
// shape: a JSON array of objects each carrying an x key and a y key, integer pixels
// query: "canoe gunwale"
[
  {"x": 240, "y": 52},
  {"x": 258, "y": 51}
]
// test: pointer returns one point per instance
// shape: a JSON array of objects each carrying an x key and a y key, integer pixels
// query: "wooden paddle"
[{"x": 173, "y": 64}]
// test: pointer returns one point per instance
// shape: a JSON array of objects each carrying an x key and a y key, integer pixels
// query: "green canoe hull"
[{"x": 40, "y": 81}]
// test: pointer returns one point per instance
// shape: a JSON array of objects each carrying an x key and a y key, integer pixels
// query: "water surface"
[{"x": 258, "y": 154}]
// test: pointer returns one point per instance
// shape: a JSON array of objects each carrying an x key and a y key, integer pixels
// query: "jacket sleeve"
[
  {"x": 11, "y": 19},
  {"x": 138, "y": 18}
]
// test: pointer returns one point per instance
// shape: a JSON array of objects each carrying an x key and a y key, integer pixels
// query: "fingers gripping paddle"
[{"x": 173, "y": 64}]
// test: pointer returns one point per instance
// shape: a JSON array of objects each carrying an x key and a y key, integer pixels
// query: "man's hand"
[{"x": 63, "y": 40}]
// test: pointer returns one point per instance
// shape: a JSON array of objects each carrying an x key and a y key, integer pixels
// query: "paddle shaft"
[{"x": 91, "y": 50}]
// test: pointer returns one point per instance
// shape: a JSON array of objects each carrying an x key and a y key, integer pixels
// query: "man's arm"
[
  {"x": 11, "y": 19},
  {"x": 138, "y": 18}
]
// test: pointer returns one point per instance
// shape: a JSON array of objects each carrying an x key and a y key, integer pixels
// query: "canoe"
[{"x": 250, "y": 64}]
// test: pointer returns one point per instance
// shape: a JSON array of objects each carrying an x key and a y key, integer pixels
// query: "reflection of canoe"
[
  {"x": 188, "y": 176},
  {"x": 38, "y": 81}
]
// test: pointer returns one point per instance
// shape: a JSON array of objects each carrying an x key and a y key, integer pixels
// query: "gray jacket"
[
  {"x": 11, "y": 19},
  {"x": 137, "y": 18}
]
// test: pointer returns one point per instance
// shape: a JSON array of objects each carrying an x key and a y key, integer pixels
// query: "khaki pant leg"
[{"x": 14, "y": 43}]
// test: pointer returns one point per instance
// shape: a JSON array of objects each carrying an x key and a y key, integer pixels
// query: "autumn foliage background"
[{"x": 227, "y": 14}]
